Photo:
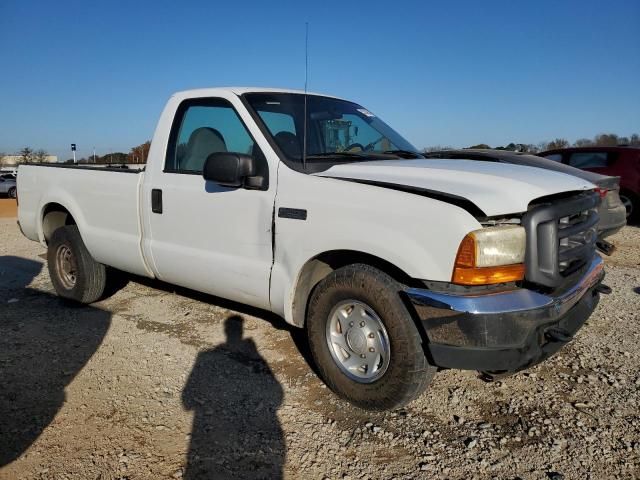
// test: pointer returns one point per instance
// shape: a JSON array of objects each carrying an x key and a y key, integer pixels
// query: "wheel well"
[
  {"x": 322, "y": 265},
  {"x": 54, "y": 217},
  {"x": 629, "y": 193}
]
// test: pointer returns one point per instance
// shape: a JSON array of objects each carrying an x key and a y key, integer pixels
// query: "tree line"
[
  {"x": 137, "y": 154},
  {"x": 600, "y": 140},
  {"x": 26, "y": 155}
]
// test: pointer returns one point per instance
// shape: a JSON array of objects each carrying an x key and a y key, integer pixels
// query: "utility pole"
[
  {"x": 94, "y": 154},
  {"x": 73, "y": 149}
]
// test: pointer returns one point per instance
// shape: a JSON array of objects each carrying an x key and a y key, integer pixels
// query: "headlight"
[{"x": 490, "y": 255}]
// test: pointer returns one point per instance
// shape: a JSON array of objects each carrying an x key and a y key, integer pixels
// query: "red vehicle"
[{"x": 623, "y": 162}]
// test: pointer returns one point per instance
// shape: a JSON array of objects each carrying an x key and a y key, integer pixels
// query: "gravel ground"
[{"x": 154, "y": 383}]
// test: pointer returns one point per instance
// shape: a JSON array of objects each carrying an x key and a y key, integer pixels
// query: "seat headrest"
[{"x": 203, "y": 142}]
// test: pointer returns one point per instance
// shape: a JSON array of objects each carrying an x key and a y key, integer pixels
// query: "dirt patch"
[{"x": 8, "y": 208}]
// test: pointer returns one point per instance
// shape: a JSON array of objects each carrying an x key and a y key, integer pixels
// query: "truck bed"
[{"x": 103, "y": 201}]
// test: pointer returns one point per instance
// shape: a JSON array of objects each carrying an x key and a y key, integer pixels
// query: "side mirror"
[{"x": 231, "y": 169}]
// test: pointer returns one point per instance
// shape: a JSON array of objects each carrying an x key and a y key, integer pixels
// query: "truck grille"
[{"x": 561, "y": 237}]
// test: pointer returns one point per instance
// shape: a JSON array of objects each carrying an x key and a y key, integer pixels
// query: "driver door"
[{"x": 204, "y": 236}]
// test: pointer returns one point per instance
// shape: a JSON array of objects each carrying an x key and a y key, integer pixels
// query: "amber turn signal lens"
[
  {"x": 465, "y": 271},
  {"x": 488, "y": 275},
  {"x": 467, "y": 253}
]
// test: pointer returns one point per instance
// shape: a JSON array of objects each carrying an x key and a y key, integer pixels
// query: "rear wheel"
[
  {"x": 74, "y": 273},
  {"x": 363, "y": 340},
  {"x": 12, "y": 192}
]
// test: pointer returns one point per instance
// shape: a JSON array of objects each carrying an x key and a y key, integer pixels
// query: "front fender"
[{"x": 418, "y": 235}]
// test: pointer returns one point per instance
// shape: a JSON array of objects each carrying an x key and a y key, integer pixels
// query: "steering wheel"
[
  {"x": 354, "y": 145},
  {"x": 370, "y": 146}
]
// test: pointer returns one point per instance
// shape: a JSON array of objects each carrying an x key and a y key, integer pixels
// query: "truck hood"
[{"x": 495, "y": 188}]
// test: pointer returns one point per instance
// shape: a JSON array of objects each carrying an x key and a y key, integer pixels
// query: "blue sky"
[{"x": 441, "y": 73}]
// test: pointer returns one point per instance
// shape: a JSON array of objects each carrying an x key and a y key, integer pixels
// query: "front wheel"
[
  {"x": 74, "y": 273},
  {"x": 12, "y": 192},
  {"x": 364, "y": 341}
]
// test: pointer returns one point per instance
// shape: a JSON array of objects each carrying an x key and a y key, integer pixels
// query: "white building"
[{"x": 9, "y": 163}]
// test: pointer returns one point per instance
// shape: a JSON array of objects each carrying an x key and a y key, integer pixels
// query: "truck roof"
[{"x": 214, "y": 91}]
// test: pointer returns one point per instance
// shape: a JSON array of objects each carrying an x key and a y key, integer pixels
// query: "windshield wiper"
[
  {"x": 367, "y": 155},
  {"x": 338, "y": 154},
  {"x": 403, "y": 153}
]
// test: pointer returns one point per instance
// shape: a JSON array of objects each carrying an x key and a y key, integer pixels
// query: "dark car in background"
[
  {"x": 611, "y": 211},
  {"x": 623, "y": 162}
]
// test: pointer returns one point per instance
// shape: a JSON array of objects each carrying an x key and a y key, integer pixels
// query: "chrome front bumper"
[{"x": 504, "y": 331}]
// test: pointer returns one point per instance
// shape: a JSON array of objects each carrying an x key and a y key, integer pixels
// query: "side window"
[
  {"x": 556, "y": 157},
  {"x": 203, "y": 127},
  {"x": 588, "y": 160}
]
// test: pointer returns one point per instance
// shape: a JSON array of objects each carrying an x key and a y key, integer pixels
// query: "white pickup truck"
[{"x": 313, "y": 208}]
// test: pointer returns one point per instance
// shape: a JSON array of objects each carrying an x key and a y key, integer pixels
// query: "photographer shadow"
[
  {"x": 44, "y": 343},
  {"x": 235, "y": 398}
]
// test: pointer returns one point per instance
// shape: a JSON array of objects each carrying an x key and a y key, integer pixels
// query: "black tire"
[
  {"x": 87, "y": 282},
  {"x": 12, "y": 192},
  {"x": 408, "y": 373},
  {"x": 633, "y": 206}
]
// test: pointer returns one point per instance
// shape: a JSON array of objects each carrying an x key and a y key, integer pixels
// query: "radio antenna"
[{"x": 306, "y": 79}]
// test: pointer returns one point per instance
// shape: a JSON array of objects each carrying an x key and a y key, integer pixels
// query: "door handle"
[{"x": 156, "y": 200}]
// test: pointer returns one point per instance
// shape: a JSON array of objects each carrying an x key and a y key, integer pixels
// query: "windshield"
[{"x": 335, "y": 128}]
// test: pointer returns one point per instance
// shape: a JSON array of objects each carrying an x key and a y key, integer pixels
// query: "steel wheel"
[
  {"x": 628, "y": 204},
  {"x": 66, "y": 266},
  {"x": 358, "y": 341}
]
